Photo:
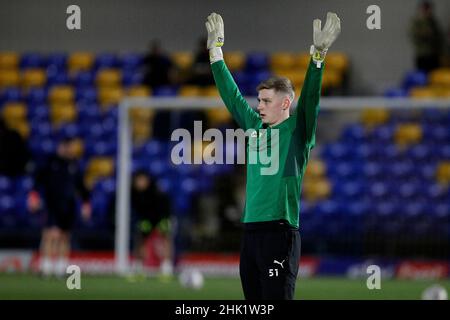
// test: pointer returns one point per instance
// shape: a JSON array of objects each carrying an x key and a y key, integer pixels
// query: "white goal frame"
[{"x": 124, "y": 151}]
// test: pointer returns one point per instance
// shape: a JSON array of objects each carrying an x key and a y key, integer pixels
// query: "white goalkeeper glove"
[
  {"x": 214, "y": 26},
  {"x": 323, "y": 39}
]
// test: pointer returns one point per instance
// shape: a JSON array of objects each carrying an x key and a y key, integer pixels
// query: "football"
[
  {"x": 435, "y": 292},
  {"x": 191, "y": 278}
]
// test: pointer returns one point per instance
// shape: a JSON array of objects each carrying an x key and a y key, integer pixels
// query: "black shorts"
[
  {"x": 62, "y": 220},
  {"x": 269, "y": 262},
  {"x": 61, "y": 215}
]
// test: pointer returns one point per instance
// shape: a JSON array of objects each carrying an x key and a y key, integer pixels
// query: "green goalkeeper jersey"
[{"x": 274, "y": 196}]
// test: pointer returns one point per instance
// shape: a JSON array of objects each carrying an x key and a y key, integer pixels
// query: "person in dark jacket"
[
  {"x": 58, "y": 187},
  {"x": 427, "y": 37},
  {"x": 14, "y": 154},
  {"x": 159, "y": 69},
  {"x": 151, "y": 208}
]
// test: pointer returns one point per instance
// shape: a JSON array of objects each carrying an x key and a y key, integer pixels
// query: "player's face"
[
  {"x": 63, "y": 150},
  {"x": 271, "y": 106},
  {"x": 141, "y": 182}
]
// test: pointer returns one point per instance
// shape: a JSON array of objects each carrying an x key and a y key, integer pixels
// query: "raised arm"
[
  {"x": 308, "y": 103},
  {"x": 244, "y": 115}
]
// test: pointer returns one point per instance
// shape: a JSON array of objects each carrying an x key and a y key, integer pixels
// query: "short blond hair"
[{"x": 278, "y": 84}]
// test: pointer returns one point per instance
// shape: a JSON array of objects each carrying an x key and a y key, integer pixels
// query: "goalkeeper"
[{"x": 270, "y": 249}]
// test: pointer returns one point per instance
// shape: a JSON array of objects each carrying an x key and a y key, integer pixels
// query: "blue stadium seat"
[
  {"x": 427, "y": 171},
  {"x": 7, "y": 204},
  {"x": 6, "y": 185},
  {"x": 23, "y": 184},
  {"x": 92, "y": 132},
  {"x": 358, "y": 209},
  {"x": 186, "y": 170},
  {"x": 436, "y": 133},
  {"x": 111, "y": 114},
  {"x": 400, "y": 169},
  {"x": 257, "y": 61},
  {"x": 155, "y": 148},
  {"x": 32, "y": 60},
  {"x": 86, "y": 94},
  {"x": 211, "y": 170},
  {"x": 109, "y": 125},
  {"x": 67, "y": 130},
  {"x": 396, "y": 93},
  {"x": 354, "y": 133},
  {"x": 384, "y": 133},
  {"x": 380, "y": 190},
  {"x": 364, "y": 151},
  {"x": 335, "y": 151},
  {"x": 107, "y": 185},
  {"x": 83, "y": 79},
  {"x": 165, "y": 91},
  {"x": 440, "y": 210},
  {"x": 328, "y": 208},
  {"x": 415, "y": 78},
  {"x": 46, "y": 146},
  {"x": 444, "y": 151},
  {"x": 344, "y": 169},
  {"x": 241, "y": 78},
  {"x": 414, "y": 208},
  {"x": 36, "y": 96},
  {"x": 206, "y": 183},
  {"x": 189, "y": 186},
  {"x": 436, "y": 192},
  {"x": 10, "y": 95},
  {"x": 350, "y": 190},
  {"x": 182, "y": 203},
  {"x": 385, "y": 208},
  {"x": 106, "y": 60},
  {"x": 419, "y": 152},
  {"x": 249, "y": 90},
  {"x": 88, "y": 113},
  {"x": 255, "y": 78},
  {"x": 40, "y": 128},
  {"x": 409, "y": 191},
  {"x": 373, "y": 170},
  {"x": 100, "y": 148},
  {"x": 57, "y": 60},
  {"x": 56, "y": 77},
  {"x": 131, "y": 61},
  {"x": 139, "y": 164},
  {"x": 131, "y": 77},
  {"x": 388, "y": 152},
  {"x": 165, "y": 184},
  {"x": 101, "y": 197},
  {"x": 435, "y": 116},
  {"x": 158, "y": 167}
]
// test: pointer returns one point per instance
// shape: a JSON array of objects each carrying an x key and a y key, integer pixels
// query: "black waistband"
[{"x": 269, "y": 226}]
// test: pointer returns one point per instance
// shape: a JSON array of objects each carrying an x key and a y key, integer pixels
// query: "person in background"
[
  {"x": 427, "y": 38},
  {"x": 14, "y": 154},
  {"x": 151, "y": 218},
  {"x": 159, "y": 70},
  {"x": 58, "y": 185},
  {"x": 201, "y": 74},
  {"x": 151, "y": 209}
]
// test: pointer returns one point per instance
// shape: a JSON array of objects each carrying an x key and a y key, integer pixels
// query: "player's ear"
[{"x": 286, "y": 103}]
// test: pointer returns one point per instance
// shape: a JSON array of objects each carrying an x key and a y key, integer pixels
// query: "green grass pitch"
[{"x": 26, "y": 286}]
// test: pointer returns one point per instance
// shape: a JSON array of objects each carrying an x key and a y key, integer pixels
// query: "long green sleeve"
[
  {"x": 244, "y": 115},
  {"x": 308, "y": 104}
]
